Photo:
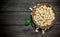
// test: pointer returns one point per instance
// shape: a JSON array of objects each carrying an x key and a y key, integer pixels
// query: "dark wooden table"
[{"x": 13, "y": 13}]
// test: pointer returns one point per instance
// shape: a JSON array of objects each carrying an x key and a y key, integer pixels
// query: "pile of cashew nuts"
[{"x": 44, "y": 15}]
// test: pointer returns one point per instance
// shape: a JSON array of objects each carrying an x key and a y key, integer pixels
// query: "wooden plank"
[
  {"x": 30, "y": 0},
  {"x": 19, "y": 13},
  {"x": 23, "y": 5},
  {"x": 15, "y": 12},
  {"x": 27, "y": 31},
  {"x": 23, "y": 8},
  {"x": 9, "y": 18},
  {"x": 57, "y": 9},
  {"x": 18, "y": 7}
]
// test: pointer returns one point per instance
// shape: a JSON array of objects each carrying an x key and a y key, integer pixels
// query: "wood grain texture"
[
  {"x": 17, "y": 11},
  {"x": 13, "y": 13},
  {"x": 19, "y": 17},
  {"x": 23, "y": 31}
]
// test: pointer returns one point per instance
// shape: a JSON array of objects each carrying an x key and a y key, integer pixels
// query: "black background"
[{"x": 13, "y": 13}]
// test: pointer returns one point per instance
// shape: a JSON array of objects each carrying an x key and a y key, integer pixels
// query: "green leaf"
[
  {"x": 27, "y": 22},
  {"x": 33, "y": 25}
]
